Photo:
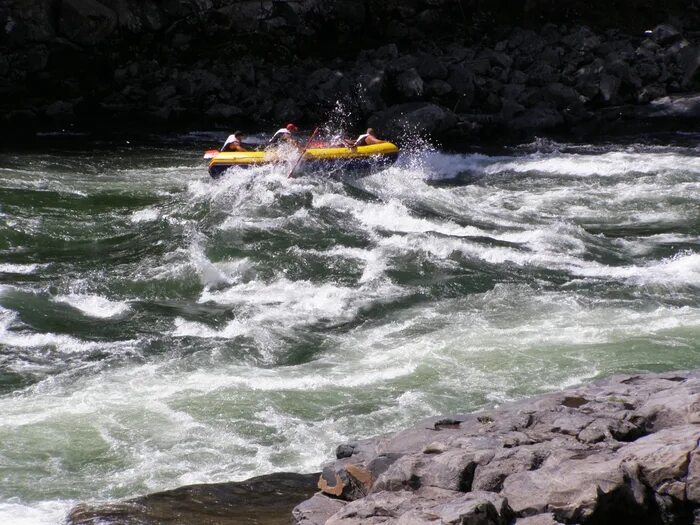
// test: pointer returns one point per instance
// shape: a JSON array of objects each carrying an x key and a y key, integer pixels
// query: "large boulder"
[
  {"x": 461, "y": 79},
  {"x": 264, "y": 499},
  {"x": 673, "y": 107},
  {"x": 536, "y": 118},
  {"x": 31, "y": 21},
  {"x": 624, "y": 450},
  {"x": 427, "y": 505},
  {"x": 689, "y": 61},
  {"x": 317, "y": 510},
  {"x": 665, "y": 34},
  {"x": 413, "y": 118},
  {"x": 409, "y": 84},
  {"x": 86, "y": 22}
]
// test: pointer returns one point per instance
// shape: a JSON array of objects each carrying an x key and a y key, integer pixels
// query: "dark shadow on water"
[{"x": 464, "y": 178}]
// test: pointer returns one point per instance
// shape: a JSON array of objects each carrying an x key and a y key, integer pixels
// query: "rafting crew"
[
  {"x": 367, "y": 139},
  {"x": 285, "y": 135},
  {"x": 234, "y": 142}
]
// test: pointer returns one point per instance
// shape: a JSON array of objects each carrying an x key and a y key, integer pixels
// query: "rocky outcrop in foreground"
[
  {"x": 620, "y": 451},
  {"x": 623, "y": 450},
  {"x": 264, "y": 500}
]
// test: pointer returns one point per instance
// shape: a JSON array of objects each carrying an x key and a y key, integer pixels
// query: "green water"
[{"x": 158, "y": 328}]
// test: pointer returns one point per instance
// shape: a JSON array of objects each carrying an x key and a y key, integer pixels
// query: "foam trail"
[
  {"x": 161, "y": 329},
  {"x": 94, "y": 305}
]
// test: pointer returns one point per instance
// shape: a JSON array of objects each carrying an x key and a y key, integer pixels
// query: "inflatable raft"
[{"x": 334, "y": 161}]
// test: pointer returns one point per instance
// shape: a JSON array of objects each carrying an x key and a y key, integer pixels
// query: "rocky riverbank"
[
  {"x": 622, "y": 450},
  {"x": 456, "y": 70}
]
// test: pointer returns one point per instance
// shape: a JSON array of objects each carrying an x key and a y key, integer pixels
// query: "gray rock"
[
  {"x": 689, "y": 61},
  {"x": 425, "y": 506},
  {"x": 413, "y": 118},
  {"x": 665, "y": 34},
  {"x": 223, "y": 112},
  {"x": 409, "y": 84},
  {"x": 491, "y": 475},
  {"x": 663, "y": 458},
  {"x": 264, "y": 499},
  {"x": 526, "y": 41},
  {"x": 352, "y": 478},
  {"x": 648, "y": 70},
  {"x": 431, "y": 68},
  {"x": 344, "y": 451},
  {"x": 541, "y": 74},
  {"x": 451, "y": 470},
  {"x": 537, "y": 118},
  {"x": 61, "y": 111},
  {"x": 562, "y": 96},
  {"x": 347, "y": 481},
  {"x": 572, "y": 489},
  {"x": 461, "y": 79},
  {"x": 539, "y": 519},
  {"x": 609, "y": 87},
  {"x": 579, "y": 456},
  {"x": 651, "y": 92},
  {"x": 510, "y": 108},
  {"x": 86, "y": 22},
  {"x": 286, "y": 110},
  {"x": 438, "y": 88},
  {"x": 497, "y": 59},
  {"x": 317, "y": 510}
]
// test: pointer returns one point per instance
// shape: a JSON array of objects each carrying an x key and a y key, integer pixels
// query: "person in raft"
[
  {"x": 285, "y": 135},
  {"x": 234, "y": 142},
  {"x": 367, "y": 139}
]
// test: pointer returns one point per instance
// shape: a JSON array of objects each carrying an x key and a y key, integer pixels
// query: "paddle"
[{"x": 303, "y": 152}]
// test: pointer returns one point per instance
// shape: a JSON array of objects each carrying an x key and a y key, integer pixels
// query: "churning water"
[{"x": 158, "y": 328}]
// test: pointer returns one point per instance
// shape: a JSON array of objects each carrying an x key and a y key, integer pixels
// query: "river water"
[{"x": 158, "y": 328}]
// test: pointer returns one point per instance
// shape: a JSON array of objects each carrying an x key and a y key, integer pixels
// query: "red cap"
[{"x": 292, "y": 127}]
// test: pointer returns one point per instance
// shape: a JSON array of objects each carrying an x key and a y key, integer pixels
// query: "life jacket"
[
  {"x": 278, "y": 135},
  {"x": 232, "y": 139},
  {"x": 362, "y": 140}
]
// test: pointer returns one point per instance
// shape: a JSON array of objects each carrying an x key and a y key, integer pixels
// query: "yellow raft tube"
[{"x": 336, "y": 161}]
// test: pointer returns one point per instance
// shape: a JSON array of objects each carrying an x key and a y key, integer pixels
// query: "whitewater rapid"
[{"x": 158, "y": 328}]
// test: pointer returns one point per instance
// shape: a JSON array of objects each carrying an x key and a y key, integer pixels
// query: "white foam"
[
  {"x": 38, "y": 513},
  {"x": 145, "y": 215},
  {"x": 22, "y": 269},
  {"x": 681, "y": 269},
  {"x": 184, "y": 328},
  {"x": 606, "y": 164},
  {"x": 289, "y": 303},
  {"x": 94, "y": 305}
]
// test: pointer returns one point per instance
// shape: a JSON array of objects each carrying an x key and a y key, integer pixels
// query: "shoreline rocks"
[
  {"x": 622, "y": 450},
  {"x": 429, "y": 66},
  {"x": 264, "y": 499}
]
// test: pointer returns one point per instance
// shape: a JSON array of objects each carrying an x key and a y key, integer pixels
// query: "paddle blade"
[{"x": 211, "y": 153}]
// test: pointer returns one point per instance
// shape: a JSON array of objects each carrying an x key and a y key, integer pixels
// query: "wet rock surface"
[
  {"x": 622, "y": 450},
  {"x": 453, "y": 70},
  {"x": 265, "y": 500}
]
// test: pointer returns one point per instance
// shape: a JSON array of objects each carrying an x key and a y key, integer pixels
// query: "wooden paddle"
[{"x": 303, "y": 152}]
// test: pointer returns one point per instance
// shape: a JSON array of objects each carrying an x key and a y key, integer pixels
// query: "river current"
[{"x": 158, "y": 328}]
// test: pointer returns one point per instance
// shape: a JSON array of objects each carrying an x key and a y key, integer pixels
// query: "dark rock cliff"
[{"x": 452, "y": 68}]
